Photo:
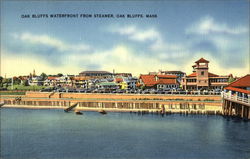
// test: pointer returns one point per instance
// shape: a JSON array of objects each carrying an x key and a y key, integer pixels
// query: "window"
[{"x": 202, "y": 73}]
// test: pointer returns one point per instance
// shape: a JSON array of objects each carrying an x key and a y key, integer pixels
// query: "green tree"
[
  {"x": 60, "y": 74},
  {"x": 16, "y": 81},
  {"x": 1, "y": 81},
  {"x": 25, "y": 82},
  {"x": 231, "y": 79},
  {"x": 44, "y": 76}
]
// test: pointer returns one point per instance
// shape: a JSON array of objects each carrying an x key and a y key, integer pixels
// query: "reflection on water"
[{"x": 54, "y": 134}]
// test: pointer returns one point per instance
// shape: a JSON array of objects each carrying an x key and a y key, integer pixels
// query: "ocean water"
[{"x": 53, "y": 134}]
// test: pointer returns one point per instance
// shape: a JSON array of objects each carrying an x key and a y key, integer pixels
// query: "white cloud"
[
  {"x": 134, "y": 33},
  {"x": 207, "y": 25},
  {"x": 50, "y": 41}
]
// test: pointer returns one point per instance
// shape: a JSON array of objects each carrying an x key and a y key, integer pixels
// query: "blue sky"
[{"x": 183, "y": 32}]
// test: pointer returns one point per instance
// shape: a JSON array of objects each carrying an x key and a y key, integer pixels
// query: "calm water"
[{"x": 49, "y": 134}]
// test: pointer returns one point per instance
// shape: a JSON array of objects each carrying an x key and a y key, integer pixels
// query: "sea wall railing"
[{"x": 235, "y": 98}]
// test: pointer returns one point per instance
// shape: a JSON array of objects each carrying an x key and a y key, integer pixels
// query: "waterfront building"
[
  {"x": 122, "y": 74},
  {"x": 50, "y": 81},
  {"x": 179, "y": 74},
  {"x": 202, "y": 79},
  {"x": 96, "y": 74},
  {"x": 159, "y": 82},
  {"x": 126, "y": 82},
  {"x": 236, "y": 98},
  {"x": 62, "y": 81},
  {"x": 107, "y": 86},
  {"x": 82, "y": 82},
  {"x": 35, "y": 81}
]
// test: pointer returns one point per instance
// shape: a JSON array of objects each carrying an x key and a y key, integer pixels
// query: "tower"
[
  {"x": 34, "y": 73},
  {"x": 201, "y": 70}
]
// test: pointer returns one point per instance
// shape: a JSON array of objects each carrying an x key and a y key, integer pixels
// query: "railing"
[{"x": 235, "y": 98}]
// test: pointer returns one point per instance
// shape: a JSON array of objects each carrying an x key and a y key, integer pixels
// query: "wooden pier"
[
  {"x": 236, "y": 98},
  {"x": 234, "y": 105}
]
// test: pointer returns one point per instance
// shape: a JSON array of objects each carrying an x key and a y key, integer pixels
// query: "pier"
[
  {"x": 236, "y": 98},
  {"x": 234, "y": 105}
]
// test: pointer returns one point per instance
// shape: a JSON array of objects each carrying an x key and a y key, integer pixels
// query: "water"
[{"x": 53, "y": 134}]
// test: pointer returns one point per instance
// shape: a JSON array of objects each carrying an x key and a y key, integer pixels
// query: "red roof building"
[
  {"x": 201, "y": 79},
  {"x": 159, "y": 81},
  {"x": 241, "y": 85}
]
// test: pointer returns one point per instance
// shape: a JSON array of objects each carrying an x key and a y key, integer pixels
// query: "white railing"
[{"x": 235, "y": 98}]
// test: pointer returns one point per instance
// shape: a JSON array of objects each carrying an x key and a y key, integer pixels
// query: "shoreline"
[{"x": 210, "y": 109}]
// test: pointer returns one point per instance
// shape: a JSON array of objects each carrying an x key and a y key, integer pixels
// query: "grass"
[
  {"x": 25, "y": 88},
  {"x": 11, "y": 93}
]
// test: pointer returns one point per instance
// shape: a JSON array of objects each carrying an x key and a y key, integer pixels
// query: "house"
[
  {"x": 35, "y": 81},
  {"x": 202, "y": 79},
  {"x": 51, "y": 81},
  {"x": 122, "y": 74},
  {"x": 159, "y": 82},
  {"x": 126, "y": 82},
  {"x": 96, "y": 74},
  {"x": 179, "y": 74},
  {"x": 82, "y": 82},
  {"x": 107, "y": 85},
  {"x": 63, "y": 81}
]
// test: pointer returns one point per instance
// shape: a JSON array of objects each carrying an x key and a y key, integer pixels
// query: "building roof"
[
  {"x": 118, "y": 79},
  {"x": 202, "y": 60},
  {"x": 242, "y": 82},
  {"x": 150, "y": 80},
  {"x": 94, "y": 72},
  {"x": 52, "y": 78},
  {"x": 194, "y": 74},
  {"x": 238, "y": 90},
  {"x": 80, "y": 78},
  {"x": 174, "y": 72}
]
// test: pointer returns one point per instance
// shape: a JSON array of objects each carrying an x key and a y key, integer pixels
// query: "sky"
[{"x": 181, "y": 33}]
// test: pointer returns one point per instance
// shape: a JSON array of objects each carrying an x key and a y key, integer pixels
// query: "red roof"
[
  {"x": 192, "y": 74},
  {"x": 150, "y": 80},
  {"x": 52, "y": 78},
  {"x": 202, "y": 60},
  {"x": 238, "y": 90},
  {"x": 242, "y": 82},
  {"x": 209, "y": 75},
  {"x": 119, "y": 80}
]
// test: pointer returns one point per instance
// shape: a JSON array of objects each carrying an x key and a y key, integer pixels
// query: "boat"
[
  {"x": 1, "y": 104},
  {"x": 78, "y": 113},
  {"x": 102, "y": 111}
]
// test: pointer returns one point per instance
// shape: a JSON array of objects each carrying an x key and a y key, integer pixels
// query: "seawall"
[{"x": 117, "y": 102}]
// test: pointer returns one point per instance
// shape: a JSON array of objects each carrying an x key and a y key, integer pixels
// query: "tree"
[
  {"x": 16, "y": 81},
  {"x": 43, "y": 76},
  {"x": 231, "y": 79},
  {"x": 1, "y": 79},
  {"x": 25, "y": 82},
  {"x": 6, "y": 82},
  {"x": 60, "y": 74}
]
